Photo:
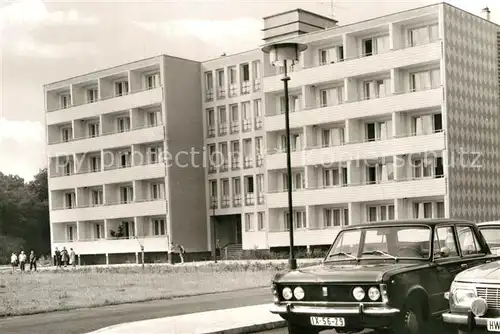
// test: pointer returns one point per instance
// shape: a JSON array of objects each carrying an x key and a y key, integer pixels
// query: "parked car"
[
  {"x": 389, "y": 276},
  {"x": 474, "y": 297},
  {"x": 491, "y": 232}
]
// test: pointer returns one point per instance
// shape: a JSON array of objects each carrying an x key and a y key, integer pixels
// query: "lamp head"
[{"x": 281, "y": 52}]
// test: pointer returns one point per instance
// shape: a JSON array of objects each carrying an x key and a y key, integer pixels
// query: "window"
[
  {"x": 246, "y": 116},
  {"x": 428, "y": 167},
  {"x": 93, "y": 130},
  {"x": 247, "y": 153},
  {"x": 249, "y": 184},
  {"x": 213, "y": 193},
  {"x": 232, "y": 81},
  {"x": 222, "y": 157},
  {"x": 92, "y": 95},
  {"x": 152, "y": 118},
  {"x": 423, "y": 35},
  {"x": 376, "y": 88},
  {"x": 95, "y": 164},
  {"x": 298, "y": 181},
  {"x": 159, "y": 227},
  {"x": 222, "y": 121},
  {"x": 71, "y": 232},
  {"x": 260, "y": 220},
  {"x": 331, "y": 96},
  {"x": 425, "y": 80},
  {"x": 236, "y": 181},
  {"x": 331, "y": 55},
  {"x": 468, "y": 241},
  {"x": 125, "y": 159},
  {"x": 259, "y": 148},
  {"x": 422, "y": 210},
  {"x": 380, "y": 130},
  {"x": 154, "y": 154},
  {"x": 209, "y": 83},
  {"x": 224, "y": 187},
  {"x": 126, "y": 194},
  {"x": 68, "y": 168},
  {"x": 256, "y": 75},
  {"x": 375, "y": 45},
  {"x": 260, "y": 188},
  {"x": 157, "y": 190},
  {"x": 212, "y": 158},
  {"x": 211, "y": 122},
  {"x": 295, "y": 142},
  {"x": 66, "y": 134},
  {"x": 245, "y": 72},
  {"x": 293, "y": 103},
  {"x": 69, "y": 200},
  {"x": 444, "y": 237},
  {"x": 248, "y": 221},
  {"x": 64, "y": 100},
  {"x": 299, "y": 218},
  {"x": 235, "y": 154},
  {"x": 121, "y": 88},
  {"x": 123, "y": 124},
  {"x": 257, "y": 110},
  {"x": 335, "y": 217},
  {"x": 98, "y": 231},
  {"x": 426, "y": 124},
  {"x": 97, "y": 198},
  {"x": 152, "y": 80},
  {"x": 331, "y": 177},
  {"x": 381, "y": 212},
  {"x": 440, "y": 210},
  {"x": 221, "y": 84},
  {"x": 235, "y": 117},
  {"x": 332, "y": 137}
]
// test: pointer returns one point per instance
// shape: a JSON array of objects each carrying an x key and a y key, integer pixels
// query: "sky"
[{"x": 43, "y": 42}]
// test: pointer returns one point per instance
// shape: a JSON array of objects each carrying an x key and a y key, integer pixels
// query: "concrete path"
[{"x": 230, "y": 321}]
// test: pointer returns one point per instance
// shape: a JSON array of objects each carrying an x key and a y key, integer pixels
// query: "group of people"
[
  {"x": 21, "y": 260},
  {"x": 63, "y": 257}
]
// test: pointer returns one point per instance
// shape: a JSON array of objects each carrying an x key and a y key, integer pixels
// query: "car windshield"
[
  {"x": 491, "y": 235},
  {"x": 393, "y": 242}
]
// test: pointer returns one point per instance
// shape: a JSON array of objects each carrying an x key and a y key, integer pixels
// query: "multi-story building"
[{"x": 391, "y": 118}]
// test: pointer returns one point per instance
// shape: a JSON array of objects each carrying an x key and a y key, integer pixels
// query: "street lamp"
[
  {"x": 214, "y": 231},
  {"x": 284, "y": 54}
]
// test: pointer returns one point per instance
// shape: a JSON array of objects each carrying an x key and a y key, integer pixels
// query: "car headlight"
[
  {"x": 358, "y": 293},
  {"x": 374, "y": 293},
  {"x": 287, "y": 293},
  {"x": 463, "y": 297},
  {"x": 299, "y": 293}
]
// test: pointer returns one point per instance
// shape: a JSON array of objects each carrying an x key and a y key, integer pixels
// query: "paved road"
[{"x": 86, "y": 320}]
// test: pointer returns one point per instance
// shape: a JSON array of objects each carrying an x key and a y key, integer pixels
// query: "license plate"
[
  {"x": 493, "y": 325},
  {"x": 328, "y": 321}
]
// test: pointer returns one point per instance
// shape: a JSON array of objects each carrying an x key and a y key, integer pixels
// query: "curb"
[{"x": 252, "y": 328}]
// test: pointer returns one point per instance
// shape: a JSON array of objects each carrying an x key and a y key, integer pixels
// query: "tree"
[{"x": 24, "y": 215}]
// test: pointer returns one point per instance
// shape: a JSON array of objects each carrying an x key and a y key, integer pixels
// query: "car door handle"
[{"x": 463, "y": 265}]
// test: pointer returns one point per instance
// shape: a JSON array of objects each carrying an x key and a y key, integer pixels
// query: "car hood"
[
  {"x": 335, "y": 272},
  {"x": 485, "y": 273}
]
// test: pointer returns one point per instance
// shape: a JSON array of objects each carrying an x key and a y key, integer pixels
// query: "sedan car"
[{"x": 389, "y": 276}]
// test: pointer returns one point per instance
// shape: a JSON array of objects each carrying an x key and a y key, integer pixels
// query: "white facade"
[{"x": 370, "y": 136}]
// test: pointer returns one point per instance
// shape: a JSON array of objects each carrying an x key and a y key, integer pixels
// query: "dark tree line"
[{"x": 24, "y": 215}]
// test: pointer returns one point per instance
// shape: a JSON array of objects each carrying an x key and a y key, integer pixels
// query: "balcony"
[
  {"x": 121, "y": 175},
  {"x": 361, "y": 193},
  {"x": 358, "y": 109},
  {"x": 303, "y": 237},
  {"x": 319, "y": 156},
  {"x": 112, "y": 246},
  {"x": 111, "y": 104},
  {"x": 110, "y": 211},
  {"x": 107, "y": 141},
  {"x": 357, "y": 66}
]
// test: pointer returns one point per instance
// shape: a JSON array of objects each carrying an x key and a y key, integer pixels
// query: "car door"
[
  {"x": 471, "y": 250},
  {"x": 447, "y": 265}
]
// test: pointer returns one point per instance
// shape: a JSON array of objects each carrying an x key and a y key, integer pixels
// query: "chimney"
[{"x": 486, "y": 13}]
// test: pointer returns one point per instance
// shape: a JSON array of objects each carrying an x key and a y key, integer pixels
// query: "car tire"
[
  {"x": 412, "y": 319},
  {"x": 299, "y": 329}
]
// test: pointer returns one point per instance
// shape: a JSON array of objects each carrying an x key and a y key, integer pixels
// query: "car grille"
[
  {"x": 335, "y": 293},
  {"x": 491, "y": 295}
]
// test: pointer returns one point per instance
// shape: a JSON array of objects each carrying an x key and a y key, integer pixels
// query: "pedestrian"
[
  {"x": 217, "y": 250},
  {"x": 72, "y": 257},
  {"x": 182, "y": 251},
  {"x": 64, "y": 257},
  {"x": 22, "y": 260},
  {"x": 57, "y": 257},
  {"x": 13, "y": 261},
  {"x": 32, "y": 261}
]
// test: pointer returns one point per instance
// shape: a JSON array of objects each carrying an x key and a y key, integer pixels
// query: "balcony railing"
[
  {"x": 258, "y": 123},
  {"x": 247, "y": 125},
  {"x": 260, "y": 198},
  {"x": 235, "y": 127},
  {"x": 245, "y": 87},
  {"x": 235, "y": 163},
  {"x": 359, "y": 56},
  {"x": 233, "y": 90},
  {"x": 209, "y": 95},
  {"x": 221, "y": 93},
  {"x": 107, "y": 203},
  {"x": 143, "y": 89},
  {"x": 225, "y": 201},
  {"x": 211, "y": 131},
  {"x": 256, "y": 85},
  {"x": 249, "y": 199},
  {"x": 109, "y": 168},
  {"x": 236, "y": 200}
]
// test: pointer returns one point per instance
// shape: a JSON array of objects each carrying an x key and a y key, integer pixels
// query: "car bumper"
[
  {"x": 467, "y": 322},
  {"x": 358, "y": 317}
]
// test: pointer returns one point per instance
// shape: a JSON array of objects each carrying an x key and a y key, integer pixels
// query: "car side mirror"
[{"x": 444, "y": 252}]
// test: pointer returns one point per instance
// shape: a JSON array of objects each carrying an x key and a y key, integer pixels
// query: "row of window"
[
  {"x": 250, "y": 221},
  {"x": 120, "y": 88},
  {"x": 218, "y": 155},
  {"x": 248, "y": 81},
  {"x": 221, "y": 118},
  {"x": 253, "y": 191}
]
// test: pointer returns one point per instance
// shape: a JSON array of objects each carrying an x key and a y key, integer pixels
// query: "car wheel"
[
  {"x": 298, "y": 329},
  {"x": 412, "y": 320}
]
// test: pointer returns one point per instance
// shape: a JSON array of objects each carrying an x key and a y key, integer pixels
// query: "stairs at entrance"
[{"x": 233, "y": 252}]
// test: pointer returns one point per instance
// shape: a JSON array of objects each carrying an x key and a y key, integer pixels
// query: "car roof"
[
  {"x": 492, "y": 223},
  {"x": 428, "y": 222}
]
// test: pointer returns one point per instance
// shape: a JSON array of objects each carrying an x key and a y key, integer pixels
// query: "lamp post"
[
  {"x": 284, "y": 54},
  {"x": 214, "y": 231}
]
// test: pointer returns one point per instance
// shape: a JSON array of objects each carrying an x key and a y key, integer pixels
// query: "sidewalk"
[{"x": 230, "y": 321}]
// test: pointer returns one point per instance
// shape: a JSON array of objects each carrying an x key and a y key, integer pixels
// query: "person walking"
[
  {"x": 72, "y": 257},
  {"x": 64, "y": 257},
  {"x": 32, "y": 261},
  {"x": 57, "y": 257},
  {"x": 182, "y": 251},
  {"x": 13, "y": 261},
  {"x": 22, "y": 261}
]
